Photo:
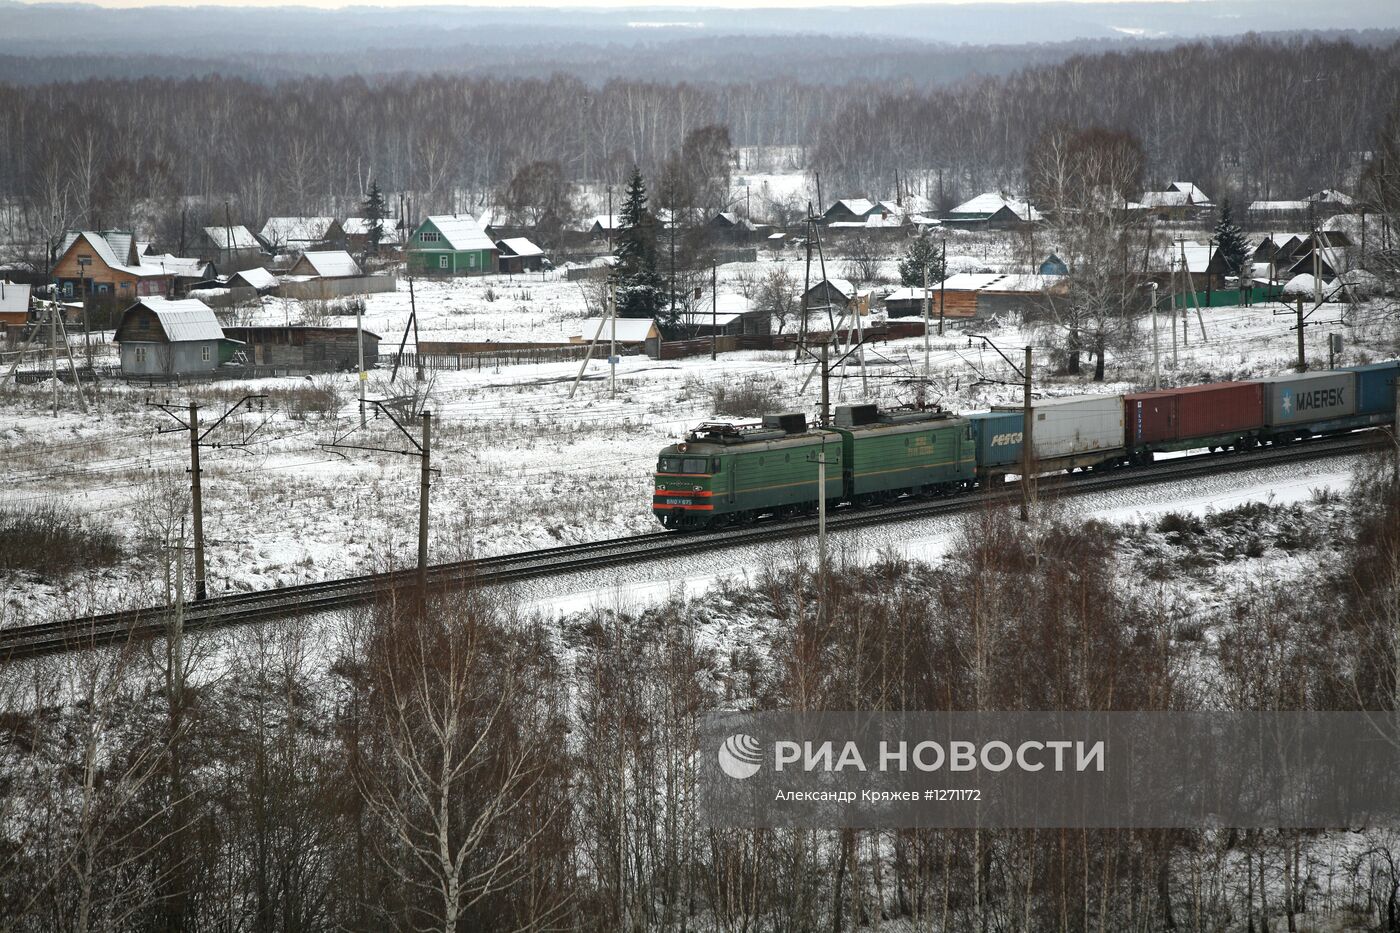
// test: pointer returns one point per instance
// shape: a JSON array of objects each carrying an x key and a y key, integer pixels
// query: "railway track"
[{"x": 310, "y": 598}]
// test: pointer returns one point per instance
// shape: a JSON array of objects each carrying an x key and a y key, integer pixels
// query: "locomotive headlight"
[{"x": 697, "y": 488}]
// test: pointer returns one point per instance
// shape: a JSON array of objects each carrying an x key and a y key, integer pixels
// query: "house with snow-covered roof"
[
  {"x": 298, "y": 234},
  {"x": 992, "y": 211},
  {"x": 160, "y": 337},
  {"x": 850, "y": 210},
  {"x": 326, "y": 264},
  {"x": 520, "y": 254},
  {"x": 107, "y": 265},
  {"x": 451, "y": 244}
]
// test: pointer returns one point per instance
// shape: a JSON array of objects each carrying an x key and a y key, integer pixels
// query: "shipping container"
[
  {"x": 1375, "y": 387},
  {"x": 1083, "y": 428},
  {"x": 1306, "y": 398},
  {"x": 889, "y": 453},
  {"x": 1222, "y": 411},
  {"x": 997, "y": 436}
]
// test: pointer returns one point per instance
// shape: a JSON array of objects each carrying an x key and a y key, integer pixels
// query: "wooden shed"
[
  {"x": 160, "y": 337},
  {"x": 305, "y": 345}
]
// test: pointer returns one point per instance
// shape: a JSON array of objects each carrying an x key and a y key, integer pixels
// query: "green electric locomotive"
[{"x": 725, "y": 474}]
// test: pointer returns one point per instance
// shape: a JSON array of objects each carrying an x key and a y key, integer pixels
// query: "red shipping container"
[{"x": 1205, "y": 411}]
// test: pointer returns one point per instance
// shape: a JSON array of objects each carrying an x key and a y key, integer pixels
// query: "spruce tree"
[
  {"x": 1234, "y": 249},
  {"x": 375, "y": 211},
  {"x": 921, "y": 253},
  {"x": 640, "y": 290}
]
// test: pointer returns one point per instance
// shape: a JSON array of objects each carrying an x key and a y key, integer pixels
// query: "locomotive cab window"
[{"x": 682, "y": 465}]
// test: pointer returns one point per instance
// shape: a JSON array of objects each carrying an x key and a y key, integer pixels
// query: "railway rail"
[{"x": 310, "y": 598}]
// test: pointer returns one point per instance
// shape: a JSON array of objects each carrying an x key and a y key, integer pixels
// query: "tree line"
[{"x": 1265, "y": 118}]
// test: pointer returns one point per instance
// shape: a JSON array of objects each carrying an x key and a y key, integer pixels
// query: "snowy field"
[{"x": 521, "y": 464}]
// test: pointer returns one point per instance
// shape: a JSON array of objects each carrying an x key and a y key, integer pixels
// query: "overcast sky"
[{"x": 679, "y": 6}]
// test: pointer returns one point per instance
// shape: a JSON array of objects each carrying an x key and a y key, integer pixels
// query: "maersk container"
[
  {"x": 1174, "y": 417},
  {"x": 997, "y": 435},
  {"x": 1304, "y": 398},
  {"x": 1375, "y": 387},
  {"x": 1085, "y": 428}
]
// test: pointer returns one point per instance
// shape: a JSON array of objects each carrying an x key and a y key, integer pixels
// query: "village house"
[
  {"x": 519, "y": 254},
  {"x": 981, "y": 295},
  {"x": 231, "y": 247},
  {"x": 624, "y": 331},
  {"x": 602, "y": 225},
  {"x": 357, "y": 234},
  {"x": 160, "y": 337},
  {"x": 14, "y": 309},
  {"x": 107, "y": 265},
  {"x": 992, "y": 211},
  {"x": 451, "y": 244},
  {"x": 727, "y": 315},
  {"x": 258, "y": 279},
  {"x": 840, "y": 294},
  {"x": 298, "y": 234},
  {"x": 326, "y": 264},
  {"x": 847, "y": 210},
  {"x": 305, "y": 346}
]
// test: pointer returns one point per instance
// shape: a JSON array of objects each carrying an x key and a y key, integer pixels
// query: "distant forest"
[{"x": 1269, "y": 118}]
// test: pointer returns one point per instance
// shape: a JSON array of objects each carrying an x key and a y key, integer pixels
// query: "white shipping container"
[{"x": 1076, "y": 425}]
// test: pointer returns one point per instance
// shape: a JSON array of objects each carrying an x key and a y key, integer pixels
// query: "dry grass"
[{"x": 48, "y": 541}]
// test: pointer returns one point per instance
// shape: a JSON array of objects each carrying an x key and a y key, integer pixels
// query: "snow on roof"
[
  {"x": 258, "y": 278},
  {"x": 359, "y": 226},
  {"x": 842, "y": 286},
  {"x": 605, "y": 221},
  {"x": 13, "y": 298},
  {"x": 520, "y": 246},
  {"x": 1301, "y": 284},
  {"x": 914, "y": 293},
  {"x": 1196, "y": 195},
  {"x": 1198, "y": 256},
  {"x": 114, "y": 248},
  {"x": 858, "y": 206},
  {"x": 1332, "y": 196},
  {"x": 184, "y": 267},
  {"x": 990, "y": 202},
  {"x": 240, "y": 236},
  {"x": 1152, "y": 199},
  {"x": 1001, "y": 282},
  {"x": 1278, "y": 205},
  {"x": 286, "y": 230},
  {"x": 461, "y": 231},
  {"x": 702, "y": 319},
  {"x": 332, "y": 263},
  {"x": 186, "y": 319},
  {"x": 923, "y": 220},
  {"x": 629, "y": 329}
]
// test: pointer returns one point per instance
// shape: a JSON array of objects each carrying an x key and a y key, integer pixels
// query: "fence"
[
  {"x": 499, "y": 357},
  {"x": 1227, "y": 297},
  {"x": 893, "y": 330},
  {"x": 337, "y": 288}
]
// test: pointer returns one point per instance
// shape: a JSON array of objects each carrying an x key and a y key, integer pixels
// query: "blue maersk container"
[
  {"x": 997, "y": 435},
  {"x": 1375, "y": 387}
]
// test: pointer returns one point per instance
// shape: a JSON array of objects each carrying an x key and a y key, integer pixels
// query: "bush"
[
  {"x": 45, "y": 540},
  {"x": 750, "y": 398}
]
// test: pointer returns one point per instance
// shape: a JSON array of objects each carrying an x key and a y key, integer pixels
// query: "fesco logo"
[
  {"x": 739, "y": 756},
  {"x": 1002, "y": 440}
]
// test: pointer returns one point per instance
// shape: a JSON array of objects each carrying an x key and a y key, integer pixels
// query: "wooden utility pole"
[
  {"x": 1302, "y": 355},
  {"x": 360, "y": 352},
  {"x": 53, "y": 351},
  {"x": 196, "y": 504},
  {"x": 1027, "y": 443},
  {"x": 943, "y": 284},
  {"x": 714, "y": 311},
  {"x": 423, "y": 484},
  {"x": 1156, "y": 362},
  {"x": 926, "y": 322}
]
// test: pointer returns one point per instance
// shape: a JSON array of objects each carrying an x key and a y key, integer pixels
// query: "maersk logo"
[{"x": 1290, "y": 404}]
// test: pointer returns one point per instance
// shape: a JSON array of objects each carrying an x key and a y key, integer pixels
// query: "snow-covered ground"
[{"x": 521, "y": 464}]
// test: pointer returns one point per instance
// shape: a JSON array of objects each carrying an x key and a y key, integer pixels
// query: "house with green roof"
[{"x": 451, "y": 244}]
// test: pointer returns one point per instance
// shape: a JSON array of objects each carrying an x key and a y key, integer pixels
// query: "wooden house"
[
  {"x": 308, "y": 346},
  {"x": 160, "y": 337},
  {"x": 298, "y": 234},
  {"x": 452, "y": 244},
  {"x": 231, "y": 248},
  {"x": 838, "y": 293},
  {"x": 991, "y": 211},
  {"x": 357, "y": 234},
  {"x": 848, "y": 210},
  {"x": 624, "y": 331},
  {"x": 520, "y": 254},
  {"x": 326, "y": 264},
  {"x": 14, "y": 308},
  {"x": 980, "y": 295},
  {"x": 107, "y": 266}
]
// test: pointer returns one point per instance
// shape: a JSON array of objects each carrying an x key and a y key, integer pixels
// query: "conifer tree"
[
  {"x": 375, "y": 211},
  {"x": 921, "y": 253},
  {"x": 1234, "y": 249},
  {"x": 640, "y": 290}
]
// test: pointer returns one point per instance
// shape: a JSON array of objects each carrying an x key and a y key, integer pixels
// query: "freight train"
[{"x": 725, "y": 474}]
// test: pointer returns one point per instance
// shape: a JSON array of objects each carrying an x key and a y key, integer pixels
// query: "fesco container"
[
  {"x": 1301, "y": 398},
  {"x": 1076, "y": 426},
  {"x": 1375, "y": 387},
  {"x": 1171, "y": 416},
  {"x": 997, "y": 435}
]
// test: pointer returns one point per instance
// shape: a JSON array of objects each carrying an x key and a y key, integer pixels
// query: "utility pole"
[
  {"x": 826, "y": 389},
  {"x": 610, "y": 219},
  {"x": 714, "y": 310},
  {"x": 1156, "y": 364},
  {"x": 943, "y": 284},
  {"x": 426, "y": 451},
  {"x": 1027, "y": 442},
  {"x": 360, "y": 351},
  {"x": 926, "y": 322},
  {"x": 1302, "y": 357},
  {"x": 53, "y": 350},
  {"x": 1171, "y": 311},
  {"x": 191, "y": 423},
  {"x": 821, "y": 512},
  {"x": 612, "y": 346}
]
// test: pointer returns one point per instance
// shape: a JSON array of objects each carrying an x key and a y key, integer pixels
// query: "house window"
[
  {"x": 429, "y": 236},
  {"x": 140, "y": 354},
  {"x": 103, "y": 288},
  {"x": 442, "y": 262},
  {"x": 68, "y": 289},
  {"x": 471, "y": 260},
  {"x": 204, "y": 353}
]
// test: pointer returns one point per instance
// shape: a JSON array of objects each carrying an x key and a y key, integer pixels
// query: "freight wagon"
[
  {"x": 1069, "y": 432},
  {"x": 1300, "y": 405},
  {"x": 724, "y": 474},
  {"x": 894, "y": 453},
  {"x": 1218, "y": 414}
]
